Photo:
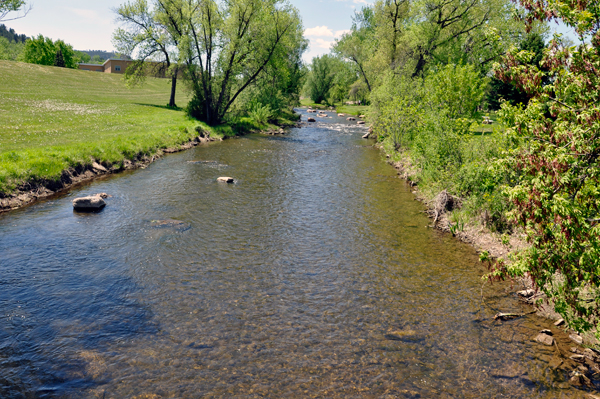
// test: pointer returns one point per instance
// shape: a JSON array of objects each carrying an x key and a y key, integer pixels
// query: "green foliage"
[
  {"x": 10, "y": 51},
  {"x": 506, "y": 91},
  {"x": 43, "y": 51},
  {"x": 11, "y": 35},
  {"x": 227, "y": 46},
  {"x": 81, "y": 57},
  {"x": 261, "y": 113},
  {"x": 556, "y": 196},
  {"x": 321, "y": 77},
  {"x": 432, "y": 120},
  {"x": 8, "y": 6},
  {"x": 144, "y": 33}
]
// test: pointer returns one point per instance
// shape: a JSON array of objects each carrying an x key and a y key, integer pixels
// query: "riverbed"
[{"x": 315, "y": 274}]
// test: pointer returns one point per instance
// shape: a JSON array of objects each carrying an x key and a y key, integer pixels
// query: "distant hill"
[
  {"x": 11, "y": 35},
  {"x": 104, "y": 54}
]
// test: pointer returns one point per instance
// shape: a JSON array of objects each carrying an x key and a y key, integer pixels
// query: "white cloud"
[
  {"x": 319, "y": 31},
  {"x": 339, "y": 33},
  {"x": 320, "y": 43}
]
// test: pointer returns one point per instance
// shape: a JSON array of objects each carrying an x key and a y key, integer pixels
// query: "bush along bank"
[{"x": 431, "y": 131}]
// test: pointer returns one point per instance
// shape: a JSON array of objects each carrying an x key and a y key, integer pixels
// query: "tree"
[
  {"x": 43, "y": 51},
  {"x": 321, "y": 78},
  {"x": 59, "y": 60},
  {"x": 227, "y": 45},
  {"x": 10, "y": 51},
  {"x": 357, "y": 46},
  {"x": 39, "y": 50},
  {"x": 81, "y": 57},
  {"x": 156, "y": 48},
  {"x": 556, "y": 173},
  {"x": 500, "y": 90},
  {"x": 8, "y": 6}
]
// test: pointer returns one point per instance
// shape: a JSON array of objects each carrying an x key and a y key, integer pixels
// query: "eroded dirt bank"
[{"x": 30, "y": 192}]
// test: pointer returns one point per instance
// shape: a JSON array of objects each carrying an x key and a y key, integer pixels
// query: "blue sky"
[{"x": 88, "y": 25}]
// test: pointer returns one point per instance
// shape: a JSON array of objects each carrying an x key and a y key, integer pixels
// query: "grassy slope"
[{"x": 53, "y": 118}]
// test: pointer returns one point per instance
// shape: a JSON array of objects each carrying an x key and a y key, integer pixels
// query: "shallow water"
[{"x": 314, "y": 275}]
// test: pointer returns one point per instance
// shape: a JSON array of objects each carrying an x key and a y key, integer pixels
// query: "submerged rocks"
[
  {"x": 576, "y": 338},
  {"x": 91, "y": 203},
  {"x": 172, "y": 224},
  {"x": 225, "y": 179},
  {"x": 526, "y": 293},
  {"x": 545, "y": 338}
]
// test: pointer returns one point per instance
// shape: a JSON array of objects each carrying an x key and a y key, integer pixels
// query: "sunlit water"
[{"x": 314, "y": 275}]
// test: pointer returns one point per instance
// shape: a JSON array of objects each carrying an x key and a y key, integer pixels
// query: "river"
[{"x": 314, "y": 275}]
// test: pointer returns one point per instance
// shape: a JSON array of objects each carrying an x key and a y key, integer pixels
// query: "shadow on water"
[{"x": 61, "y": 307}]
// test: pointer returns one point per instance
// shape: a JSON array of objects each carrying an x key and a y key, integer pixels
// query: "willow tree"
[
  {"x": 143, "y": 37},
  {"x": 226, "y": 45}
]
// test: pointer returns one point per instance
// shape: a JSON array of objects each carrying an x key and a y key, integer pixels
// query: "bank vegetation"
[{"x": 497, "y": 122}]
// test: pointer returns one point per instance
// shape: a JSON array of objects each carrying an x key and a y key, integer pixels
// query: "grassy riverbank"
[
  {"x": 340, "y": 108},
  {"x": 54, "y": 119}
]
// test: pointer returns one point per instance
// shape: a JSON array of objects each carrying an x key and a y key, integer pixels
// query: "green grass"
[
  {"x": 353, "y": 109},
  {"x": 55, "y": 118},
  {"x": 340, "y": 107}
]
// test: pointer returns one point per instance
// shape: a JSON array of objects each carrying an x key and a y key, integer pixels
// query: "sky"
[{"x": 88, "y": 25}]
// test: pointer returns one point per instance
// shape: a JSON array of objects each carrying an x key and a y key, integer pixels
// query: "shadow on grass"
[{"x": 161, "y": 106}]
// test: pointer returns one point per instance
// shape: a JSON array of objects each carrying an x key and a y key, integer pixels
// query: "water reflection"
[{"x": 313, "y": 276}]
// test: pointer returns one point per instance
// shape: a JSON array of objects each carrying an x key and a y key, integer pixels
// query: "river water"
[{"x": 314, "y": 275}]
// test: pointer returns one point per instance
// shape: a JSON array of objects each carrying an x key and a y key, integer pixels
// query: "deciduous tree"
[
  {"x": 556, "y": 171},
  {"x": 8, "y": 6},
  {"x": 144, "y": 38}
]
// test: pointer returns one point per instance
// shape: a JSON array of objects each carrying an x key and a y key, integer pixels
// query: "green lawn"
[
  {"x": 340, "y": 107},
  {"x": 53, "y": 118}
]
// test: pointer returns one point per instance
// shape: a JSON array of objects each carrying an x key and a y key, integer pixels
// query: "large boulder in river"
[
  {"x": 89, "y": 204},
  {"x": 311, "y": 120}
]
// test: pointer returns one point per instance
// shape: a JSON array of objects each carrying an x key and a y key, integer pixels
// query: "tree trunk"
[{"x": 173, "y": 88}]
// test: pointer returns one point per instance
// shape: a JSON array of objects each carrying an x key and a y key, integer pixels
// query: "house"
[
  {"x": 111, "y": 65},
  {"x": 114, "y": 65}
]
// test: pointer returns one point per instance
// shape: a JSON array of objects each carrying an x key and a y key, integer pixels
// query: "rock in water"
[
  {"x": 311, "y": 119},
  {"x": 360, "y": 122},
  {"x": 366, "y": 136},
  {"x": 341, "y": 114},
  {"x": 351, "y": 118},
  {"x": 89, "y": 204},
  {"x": 170, "y": 224},
  {"x": 545, "y": 339},
  {"x": 225, "y": 179}
]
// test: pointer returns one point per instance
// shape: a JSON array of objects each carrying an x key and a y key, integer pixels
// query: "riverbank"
[
  {"x": 492, "y": 245},
  {"x": 62, "y": 127}
]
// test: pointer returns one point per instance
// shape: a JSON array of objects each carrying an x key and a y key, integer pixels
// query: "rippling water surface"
[{"x": 314, "y": 275}]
